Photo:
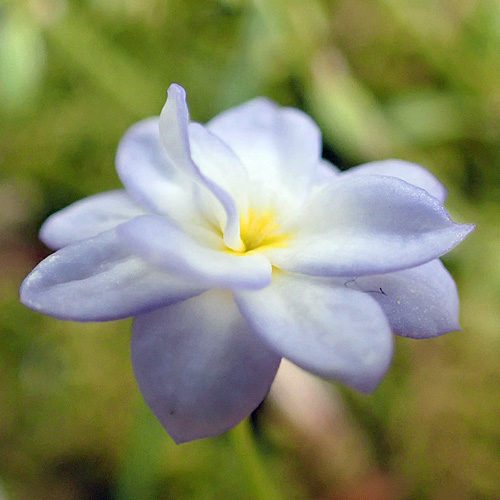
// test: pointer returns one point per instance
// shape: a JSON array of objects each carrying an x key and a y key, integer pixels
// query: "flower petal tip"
[
  {"x": 176, "y": 91},
  {"x": 368, "y": 381},
  {"x": 461, "y": 232},
  {"x": 470, "y": 228},
  {"x": 31, "y": 293},
  {"x": 46, "y": 234},
  {"x": 368, "y": 386},
  {"x": 182, "y": 433},
  {"x": 24, "y": 293},
  {"x": 453, "y": 326}
]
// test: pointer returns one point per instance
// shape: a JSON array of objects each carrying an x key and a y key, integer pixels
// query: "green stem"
[{"x": 251, "y": 460}]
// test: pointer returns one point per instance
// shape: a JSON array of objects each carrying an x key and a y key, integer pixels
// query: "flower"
[{"x": 234, "y": 245}]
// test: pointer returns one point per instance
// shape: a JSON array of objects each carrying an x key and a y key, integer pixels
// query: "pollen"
[{"x": 260, "y": 230}]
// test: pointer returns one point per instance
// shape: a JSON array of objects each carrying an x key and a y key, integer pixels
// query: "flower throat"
[{"x": 260, "y": 230}]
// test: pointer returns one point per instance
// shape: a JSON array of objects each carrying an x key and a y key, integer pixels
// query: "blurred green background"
[{"x": 412, "y": 79}]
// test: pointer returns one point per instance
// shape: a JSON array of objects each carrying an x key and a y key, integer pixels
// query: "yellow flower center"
[{"x": 260, "y": 230}]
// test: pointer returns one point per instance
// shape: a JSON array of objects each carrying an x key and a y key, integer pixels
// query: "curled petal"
[
  {"x": 219, "y": 163},
  {"x": 405, "y": 170},
  {"x": 329, "y": 330},
  {"x": 174, "y": 134},
  {"x": 362, "y": 225},
  {"x": 279, "y": 146},
  {"x": 164, "y": 245},
  {"x": 199, "y": 367},
  {"x": 150, "y": 177},
  {"x": 88, "y": 217},
  {"x": 97, "y": 279},
  {"x": 421, "y": 302}
]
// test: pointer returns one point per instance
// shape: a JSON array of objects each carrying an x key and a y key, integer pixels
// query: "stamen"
[{"x": 260, "y": 230}]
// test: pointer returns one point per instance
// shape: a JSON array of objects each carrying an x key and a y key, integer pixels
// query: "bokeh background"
[{"x": 411, "y": 79}]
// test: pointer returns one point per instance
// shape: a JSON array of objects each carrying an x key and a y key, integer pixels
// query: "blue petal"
[
  {"x": 150, "y": 177},
  {"x": 98, "y": 279},
  {"x": 278, "y": 146},
  {"x": 174, "y": 134},
  {"x": 199, "y": 366},
  {"x": 420, "y": 303},
  {"x": 164, "y": 245},
  {"x": 218, "y": 162},
  {"x": 88, "y": 217},
  {"x": 322, "y": 327},
  {"x": 367, "y": 224},
  {"x": 410, "y": 172}
]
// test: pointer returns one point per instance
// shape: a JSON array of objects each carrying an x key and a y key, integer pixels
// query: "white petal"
[
  {"x": 88, "y": 217},
  {"x": 166, "y": 246},
  {"x": 150, "y": 177},
  {"x": 174, "y": 134},
  {"x": 219, "y": 163},
  {"x": 420, "y": 303},
  {"x": 327, "y": 170},
  {"x": 325, "y": 173},
  {"x": 362, "y": 224},
  {"x": 324, "y": 328},
  {"x": 97, "y": 279},
  {"x": 199, "y": 366},
  {"x": 410, "y": 172},
  {"x": 280, "y": 147}
]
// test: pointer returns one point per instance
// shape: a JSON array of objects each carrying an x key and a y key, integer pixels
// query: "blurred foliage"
[{"x": 418, "y": 80}]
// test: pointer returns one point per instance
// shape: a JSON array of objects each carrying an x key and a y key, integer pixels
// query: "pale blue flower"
[{"x": 233, "y": 245}]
